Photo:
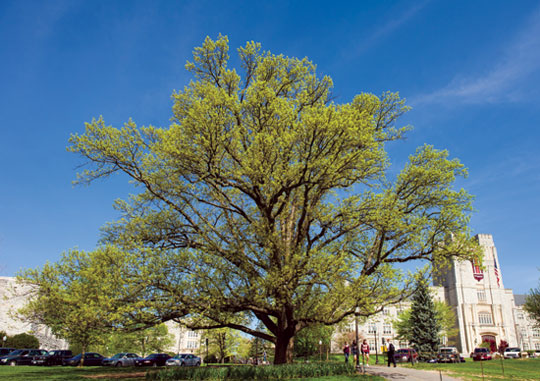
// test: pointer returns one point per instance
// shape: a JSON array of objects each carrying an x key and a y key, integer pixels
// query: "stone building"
[
  {"x": 485, "y": 310},
  {"x": 12, "y": 297}
]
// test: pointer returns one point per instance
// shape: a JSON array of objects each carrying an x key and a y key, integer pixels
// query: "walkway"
[{"x": 408, "y": 374}]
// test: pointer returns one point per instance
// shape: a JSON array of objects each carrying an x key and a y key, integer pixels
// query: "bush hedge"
[{"x": 247, "y": 372}]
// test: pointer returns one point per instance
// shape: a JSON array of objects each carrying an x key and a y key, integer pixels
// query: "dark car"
[
  {"x": 155, "y": 359},
  {"x": 122, "y": 359},
  {"x": 55, "y": 357},
  {"x": 6, "y": 351},
  {"x": 481, "y": 354},
  {"x": 22, "y": 356},
  {"x": 90, "y": 359},
  {"x": 405, "y": 355}
]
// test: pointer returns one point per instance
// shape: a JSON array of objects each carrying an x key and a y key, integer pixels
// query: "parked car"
[
  {"x": 155, "y": 359},
  {"x": 184, "y": 359},
  {"x": 122, "y": 359},
  {"x": 481, "y": 354},
  {"x": 90, "y": 359},
  {"x": 512, "y": 353},
  {"x": 22, "y": 356},
  {"x": 6, "y": 351},
  {"x": 448, "y": 354},
  {"x": 55, "y": 357},
  {"x": 405, "y": 355}
]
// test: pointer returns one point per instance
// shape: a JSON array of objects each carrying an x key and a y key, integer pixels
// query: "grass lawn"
[
  {"x": 514, "y": 369},
  {"x": 32, "y": 373}
]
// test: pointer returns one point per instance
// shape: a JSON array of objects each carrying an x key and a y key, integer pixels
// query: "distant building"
[
  {"x": 185, "y": 340},
  {"x": 485, "y": 310},
  {"x": 13, "y": 296}
]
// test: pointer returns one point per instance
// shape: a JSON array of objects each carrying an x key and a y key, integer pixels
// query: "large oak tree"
[{"x": 266, "y": 199}]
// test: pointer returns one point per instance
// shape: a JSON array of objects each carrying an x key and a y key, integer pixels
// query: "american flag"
[{"x": 497, "y": 272}]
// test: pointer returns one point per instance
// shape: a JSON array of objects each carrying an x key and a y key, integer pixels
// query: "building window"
[
  {"x": 386, "y": 311},
  {"x": 485, "y": 318},
  {"x": 536, "y": 332},
  {"x": 387, "y": 329},
  {"x": 481, "y": 295},
  {"x": 525, "y": 346},
  {"x": 193, "y": 334},
  {"x": 372, "y": 328},
  {"x": 536, "y": 345},
  {"x": 520, "y": 315},
  {"x": 371, "y": 344},
  {"x": 192, "y": 344}
]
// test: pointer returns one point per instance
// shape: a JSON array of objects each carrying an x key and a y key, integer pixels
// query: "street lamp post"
[
  {"x": 4, "y": 341},
  {"x": 320, "y": 350},
  {"x": 376, "y": 351},
  {"x": 356, "y": 312}
]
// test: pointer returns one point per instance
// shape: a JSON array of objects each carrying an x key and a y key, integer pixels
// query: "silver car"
[
  {"x": 184, "y": 359},
  {"x": 512, "y": 353},
  {"x": 121, "y": 359}
]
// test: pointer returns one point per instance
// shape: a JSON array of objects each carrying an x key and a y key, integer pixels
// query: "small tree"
[
  {"x": 502, "y": 346},
  {"x": 425, "y": 327},
  {"x": 444, "y": 315},
  {"x": 22, "y": 340},
  {"x": 77, "y": 297},
  {"x": 532, "y": 305}
]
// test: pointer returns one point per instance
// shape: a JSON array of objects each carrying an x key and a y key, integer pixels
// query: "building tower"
[{"x": 483, "y": 307}]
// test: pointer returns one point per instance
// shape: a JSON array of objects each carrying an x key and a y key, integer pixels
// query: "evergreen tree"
[{"x": 425, "y": 327}]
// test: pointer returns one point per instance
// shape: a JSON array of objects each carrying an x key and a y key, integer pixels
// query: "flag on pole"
[{"x": 497, "y": 272}]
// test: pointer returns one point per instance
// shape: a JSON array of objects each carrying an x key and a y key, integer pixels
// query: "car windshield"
[
  {"x": 118, "y": 355},
  {"x": 480, "y": 350},
  {"x": 15, "y": 353},
  {"x": 445, "y": 350},
  {"x": 512, "y": 349},
  {"x": 153, "y": 356}
]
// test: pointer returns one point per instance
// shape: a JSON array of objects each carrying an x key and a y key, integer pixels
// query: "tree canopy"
[{"x": 266, "y": 199}]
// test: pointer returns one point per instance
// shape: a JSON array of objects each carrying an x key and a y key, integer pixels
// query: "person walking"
[
  {"x": 354, "y": 350},
  {"x": 346, "y": 352},
  {"x": 364, "y": 351},
  {"x": 391, "y": 352}
]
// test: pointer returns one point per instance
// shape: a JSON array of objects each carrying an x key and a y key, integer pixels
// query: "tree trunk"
[
  {"x": 81, "y": 364},
  {"x": 284, "y": 348}
]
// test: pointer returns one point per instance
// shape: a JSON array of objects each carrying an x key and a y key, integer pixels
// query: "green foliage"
[
  {"x": 444, "y": 315},
  {"x": 306, "y": 342},
  {"x": 79, "y": 297},
  {"x": 281, "y": 372},
  {"x": 265, "y": 199},
  {"x": 532, "y": 305},
  {"x": 22, "y": 340},
  {"x": 142, "y": 342},
  {"x": 425, "y": 328}
]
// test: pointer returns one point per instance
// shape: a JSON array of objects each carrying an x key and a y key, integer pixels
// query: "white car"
[
  {"x": 512, "y": 353},
  {"x": 184, "y": 359}
]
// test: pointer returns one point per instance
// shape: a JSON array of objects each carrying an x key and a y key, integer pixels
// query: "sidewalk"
[{"x": 407, "y": 374}]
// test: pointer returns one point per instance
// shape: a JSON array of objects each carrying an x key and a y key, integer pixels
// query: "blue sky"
[{"x": 469, "y": 69}]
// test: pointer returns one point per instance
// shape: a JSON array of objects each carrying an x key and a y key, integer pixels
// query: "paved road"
[{"x": 408, "y": 374}]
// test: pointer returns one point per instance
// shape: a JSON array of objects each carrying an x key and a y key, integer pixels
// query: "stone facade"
[
  {"x": 185, "y": 340},
  {"x": 484, "y": 309},
  {"x": 12, "y": 297}
]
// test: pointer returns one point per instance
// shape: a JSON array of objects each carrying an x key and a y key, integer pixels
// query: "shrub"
[{"x": 271, "y": 372}]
